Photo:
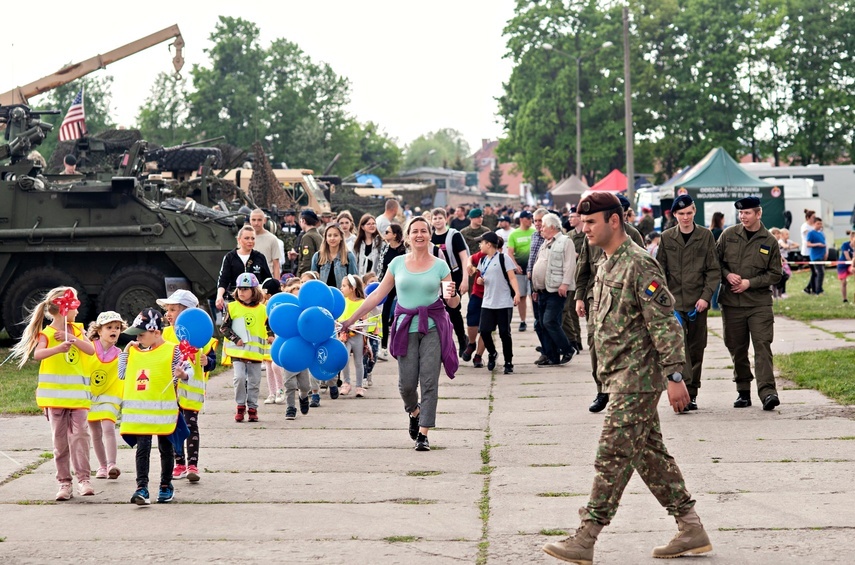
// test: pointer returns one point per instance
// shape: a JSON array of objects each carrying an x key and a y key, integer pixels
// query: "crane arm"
[{"x": 74, "y": 71}]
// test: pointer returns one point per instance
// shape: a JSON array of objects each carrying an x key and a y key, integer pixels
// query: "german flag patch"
[
  {"x": 764, "y": 249},
  {"x": 651, "y": 288}
]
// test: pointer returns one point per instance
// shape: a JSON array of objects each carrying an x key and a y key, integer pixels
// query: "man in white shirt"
[
  {"x": 266, "y": 243},
  {"x": 504, "y": 229},
  {"x": 388, "y": 216}
]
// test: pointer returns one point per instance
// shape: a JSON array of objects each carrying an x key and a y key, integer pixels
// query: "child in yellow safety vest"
[
  {"x": 107, "y": 390},
  {"x": 354, "y": 296},
  {"x": 148, "y": 367},
  {"x": 63, "y": 391},
  {"x": 372, "y": 344},
  {"x": 248, "y": 338},
  {"x": 191, "y": 393}
]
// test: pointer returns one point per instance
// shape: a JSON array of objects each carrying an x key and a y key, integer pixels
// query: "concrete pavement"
[{"x": 511, "y": 462}]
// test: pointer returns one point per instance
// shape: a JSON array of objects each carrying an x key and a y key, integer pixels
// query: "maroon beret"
[{"x": 598, "y": 202}]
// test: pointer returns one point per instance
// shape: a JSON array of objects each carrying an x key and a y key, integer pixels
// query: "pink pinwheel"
[
  {"x": 66, "y": 302},
  {"x": 187, "y": 351}
]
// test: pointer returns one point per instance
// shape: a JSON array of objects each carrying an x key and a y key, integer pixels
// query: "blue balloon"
[
  {"x": 295, "y": 354},
  {"x": 338, "y": 303},
  {"x": 194, "y": 325},
  {"x": 315, "y": 293},
  {"x": 281, "y": 298},
  {"x": 283, "y": 320},
  {"x": 371, "y": 288},
  {"x": 275, "y": 347},
  {"x": 330, "y": 357},
  {"x": 316, "y": 324}
]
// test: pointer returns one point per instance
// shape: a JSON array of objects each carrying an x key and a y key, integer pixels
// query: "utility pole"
[{"x": 630, "y": 143}]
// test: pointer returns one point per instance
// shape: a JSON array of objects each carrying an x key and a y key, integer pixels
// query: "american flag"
[{"x": 74, "y": 124}]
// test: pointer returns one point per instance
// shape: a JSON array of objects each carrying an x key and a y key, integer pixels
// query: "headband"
[{"x": 351, "y": 281}]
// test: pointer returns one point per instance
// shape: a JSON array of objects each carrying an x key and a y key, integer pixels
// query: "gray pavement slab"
[{"x": 343, "y": 484}]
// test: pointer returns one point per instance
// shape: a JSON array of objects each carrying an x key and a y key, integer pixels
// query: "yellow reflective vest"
[
  {"x": 106, "y": 387},
  {"x": 149, "y": 406},
  {"x": 63, "y": 381},
  {"x": 191, "y": 393},
  {"x": 253, "y": 319}
]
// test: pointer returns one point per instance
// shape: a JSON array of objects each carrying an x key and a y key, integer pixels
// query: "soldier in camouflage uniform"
[
  {"x": 750, "y": 263},
  {"x": 473, "y": 231},
  {"x": 570, "y": 321},
  {"x": 586, "y": 271},
  {"x": 639, "y": 342},
  {"x": 491, "y": 220},
  {"x": 688, "y": 258}
]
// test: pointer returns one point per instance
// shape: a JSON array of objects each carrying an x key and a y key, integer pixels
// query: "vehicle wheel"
[
  {"x": 188, "y": 158},
  {"x": 28, "y": 288},
  {"x": 131, "y": 289}
]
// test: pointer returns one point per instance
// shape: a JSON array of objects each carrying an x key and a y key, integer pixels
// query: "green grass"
[
  {"x": 829, "y": 372},
  {"x": 805, "y": 308},
  {"x": 553, "y": 532},
  {"x": 18, "y": 386},
  {"x": 401, "y": 539}
]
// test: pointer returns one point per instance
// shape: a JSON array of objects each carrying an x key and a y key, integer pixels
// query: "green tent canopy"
[{"x": 717, "y": 181}]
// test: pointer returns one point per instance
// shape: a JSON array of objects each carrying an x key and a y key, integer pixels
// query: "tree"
[
  {"x": 97, "y": 98},
  {"x": 442, "y": 148},
  {"x": 496, "y": 181},
  {"x": 164, "y": 116}
]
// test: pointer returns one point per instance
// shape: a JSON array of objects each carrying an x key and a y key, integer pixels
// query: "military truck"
[{"x": 118, "y": 248}]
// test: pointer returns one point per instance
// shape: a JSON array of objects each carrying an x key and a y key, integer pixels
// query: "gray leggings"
[
  {"x": 294, "y": 381},
  {"x": 420, "y": 368},
  {"x": 247, "y": 381},
  {"x": 355, "y": 349}
]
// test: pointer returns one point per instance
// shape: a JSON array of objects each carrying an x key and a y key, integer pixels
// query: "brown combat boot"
[
  {"x": 692, "y": 538},
  {"x": 578, "y": 548}
]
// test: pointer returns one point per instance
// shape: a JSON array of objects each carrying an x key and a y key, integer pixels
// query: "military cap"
[
  {"x": 598, "y": 202},
  {"x": 309, "y": 215},
  {"x": 475, "y": 213},
  {"x": 747, "y": 203},
  {"x": 682, "y": 201},
  {"x": 624, "y": 203}
]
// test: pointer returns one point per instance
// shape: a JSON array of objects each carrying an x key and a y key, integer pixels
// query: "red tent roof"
[{"x": 615, "y": 181}]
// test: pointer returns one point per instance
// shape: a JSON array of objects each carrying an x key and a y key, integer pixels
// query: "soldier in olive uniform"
[
  {"x": 750, "y": 263},
  {"x": 586, "y": 271},
  {"x": 491, "y": 220},
  {"x": 310, "y": 242},
  {"x": 474, "y": 230},
  {"x": 570, "y": 321},
  {"x": 638, "y": 342},
  {"x": 687, "y": 255},
  {"x": 646, "y": 223}
]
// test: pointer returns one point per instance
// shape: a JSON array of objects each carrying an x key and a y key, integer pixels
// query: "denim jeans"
[{"x": 555, "y": 342}]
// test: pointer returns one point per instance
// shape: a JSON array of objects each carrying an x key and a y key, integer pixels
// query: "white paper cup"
[{"x": 447, "y": 289}]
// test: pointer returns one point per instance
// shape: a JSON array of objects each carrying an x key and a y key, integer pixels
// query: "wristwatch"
[{"x": 675, "y": 377}]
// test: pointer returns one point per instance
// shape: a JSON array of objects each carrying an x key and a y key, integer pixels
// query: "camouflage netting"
[
  {"x": 218, "y": 189},
  {"x": 116, "y": 142},
  {"x": 232, "y": 156},
  {"x": 264, "y": 187},
  {"x": 345, "y": 199}
]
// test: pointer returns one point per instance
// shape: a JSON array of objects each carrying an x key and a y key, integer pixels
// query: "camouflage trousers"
[{"x": 632, "y": 440}]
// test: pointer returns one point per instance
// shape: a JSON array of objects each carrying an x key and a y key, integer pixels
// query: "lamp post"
[{"x": 550, "y": 47}]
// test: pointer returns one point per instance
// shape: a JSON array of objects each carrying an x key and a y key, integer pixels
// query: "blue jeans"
[{"x": 553, "y": 338}]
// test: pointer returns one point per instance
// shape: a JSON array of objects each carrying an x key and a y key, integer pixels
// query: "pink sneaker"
[
  {"x": 192, "y": 474},
  {"x": 345, "y": 389},
  {"x": 179, "y": 472},
  {"x": 65, "y": 492},
  {"x": 360, "y": 392},
  {"x": 101, "y": 473},
  {"x": 84, "y": 488},
  {"x": 113, "y": 472}
]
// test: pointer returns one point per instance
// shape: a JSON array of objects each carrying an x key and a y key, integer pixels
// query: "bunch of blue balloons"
[{"x": 305, "y": 330}]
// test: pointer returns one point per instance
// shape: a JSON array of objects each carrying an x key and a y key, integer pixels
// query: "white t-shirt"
[
  {"x": 268, "y": 245},
  {"x": 503, "y": 233},
  {"x": 806, "y": 227}
]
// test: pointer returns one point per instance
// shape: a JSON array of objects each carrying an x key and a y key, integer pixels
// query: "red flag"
[{"x": 74, "y": 124}]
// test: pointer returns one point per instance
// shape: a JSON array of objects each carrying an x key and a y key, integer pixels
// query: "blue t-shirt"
[
  {"x": 844, "y": 249},
  {"x": 816, "y": 253},
  {"x": 417, "y": 289}
]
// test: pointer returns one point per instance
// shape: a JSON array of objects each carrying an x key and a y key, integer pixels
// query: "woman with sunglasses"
[{"x": 366, "y": 248}]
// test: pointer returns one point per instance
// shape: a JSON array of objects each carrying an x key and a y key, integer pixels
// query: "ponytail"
[{"x": 35, "y": 321}]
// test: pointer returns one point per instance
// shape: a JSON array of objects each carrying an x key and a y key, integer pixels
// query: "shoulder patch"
[
  {"x": 652, "y": 288},
  {"x": 764, "y": 249},
  {"x": 305, "y": 251}
]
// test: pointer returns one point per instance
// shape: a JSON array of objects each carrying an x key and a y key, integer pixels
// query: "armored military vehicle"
[{"x": 120, "y": 249}]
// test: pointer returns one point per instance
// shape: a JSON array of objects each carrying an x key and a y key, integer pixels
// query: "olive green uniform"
[
  {"x": 748, "y": 315},
  {"x": 470, "y": 234},
  {"x": 309, "y": 244},
  {"x": 570, "y": 321},
  {"x": 693, "y": 273},
  {"x": 639, "y": 342},
  {"x": 646, "y": 225},
  {"x": 491, "y": 222},
  {"x": 586, "y": 271}
]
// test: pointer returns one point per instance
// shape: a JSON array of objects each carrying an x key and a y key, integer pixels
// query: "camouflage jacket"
[
  {"x": 637, "y": 338},
  {"x": 586, "y": 263},
  {"x": 470, "y": 234}
]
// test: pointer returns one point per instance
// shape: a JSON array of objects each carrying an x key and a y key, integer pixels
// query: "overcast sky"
[{"x": 414, "y": 67}]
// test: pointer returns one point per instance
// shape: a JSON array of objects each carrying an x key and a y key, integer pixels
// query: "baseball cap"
[
  {"x": 271, "y": 287},
  {"x": 246, "y": 280},
  {"x": 491, "y": 237},
  {"x": 525, "y": 214},
  {"x": 105, "y": 318},
  {"x": 180, "y": 296},
  {"x": 147, "y": 320},
  {"x": 504, "y": 218}
]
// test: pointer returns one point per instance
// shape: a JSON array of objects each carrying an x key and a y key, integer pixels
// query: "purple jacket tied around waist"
[{"x": 398, "y": 340}]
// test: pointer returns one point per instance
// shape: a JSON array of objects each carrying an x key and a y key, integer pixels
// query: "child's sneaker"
[
  {"x": 333, "y": 392},
  {"x": 65, "y": 492},
  {"x": 84, "y": 488},
  {"x": 345, "y": 389},
  {"x": 316, "y": 401},
  {"x": 291, "y": 413},
  {"x": 304, "y": 405},
  {"x": 253, "y": 415},
  {"x": 270, "y": 399},
  {"x": 280, "y": 397},
  {"x": 101, "y": 473},
  {"x": 193, "y": 474},
  {"x": 239, "y": 414},
  {"x": 166, "y": 494},
  {"x": 140, "y": 497},
  {"x": 113, "y": 472},
  {"x": 360, "y": 392},
  {"x": 383, "y": 355},
  {"x": 179, "y": 472},
  {"x": 368, "y": 381}
]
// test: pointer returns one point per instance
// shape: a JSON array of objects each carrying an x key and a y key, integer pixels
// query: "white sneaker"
[
  {"x": 383, "y": 355},
  {"x": 280, "y": 397},
  {"x": 270, "y": 399}
]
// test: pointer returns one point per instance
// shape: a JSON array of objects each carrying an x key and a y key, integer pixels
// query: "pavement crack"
[{"x": 486, "y": 470}]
